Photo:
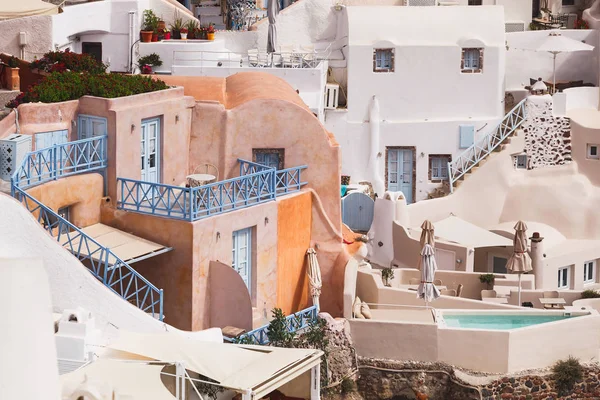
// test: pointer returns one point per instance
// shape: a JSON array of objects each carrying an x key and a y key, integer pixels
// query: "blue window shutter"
[{"x": 467, "y": 136}]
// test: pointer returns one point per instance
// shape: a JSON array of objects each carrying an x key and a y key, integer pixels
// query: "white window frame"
[
  {"x": 471, "y": 63},
  {"x": 589, "y": 279},
  {"x": 589, "y": 155},
  {"x": 380, "y": 56},
  {"x": 567, "y": 271},
  {"x": 442, "y": 163}
]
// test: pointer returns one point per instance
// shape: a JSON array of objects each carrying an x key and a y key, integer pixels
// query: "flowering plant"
[
  {"x": 146, "y": 69},
  {"x": 68, "y": 60},
  {"x": 183, "y": 30},
  {"x": 211, "y": 29},
  {"x": 581, "y": 24}
]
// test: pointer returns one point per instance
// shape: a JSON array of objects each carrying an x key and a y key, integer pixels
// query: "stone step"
[{"x": 211, "y": 10}]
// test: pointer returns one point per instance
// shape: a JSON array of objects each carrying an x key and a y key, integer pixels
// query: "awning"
[
  {"x": 129, "y": 379},
  {"x": 26, "y": 8},
  {"x": 127, "y": 247},
  {"x": 454, "y": 229},
  {"x": 236, "y": 367}
]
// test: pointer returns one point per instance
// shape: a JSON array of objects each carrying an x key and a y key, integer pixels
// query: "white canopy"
[
  {"x": 135, "y": 380},
  {"x": 454, "y": 229},
  {"x": 26, "y": 8},
  {"x": 555, "y": 42},
  {"x": 234, "y": 366}
]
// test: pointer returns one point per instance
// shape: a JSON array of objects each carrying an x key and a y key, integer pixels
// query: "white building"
[{"x": 437, "y": 84}]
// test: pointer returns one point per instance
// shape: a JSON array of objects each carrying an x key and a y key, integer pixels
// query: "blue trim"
[
  {"x": 295, "y": 323},
  {"x": 256, "y": 184}
]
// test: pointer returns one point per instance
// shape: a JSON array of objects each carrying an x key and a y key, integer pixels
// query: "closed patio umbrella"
[
  {"x": 272, "y": 12},
  {"x": 519, "y": 262},
  {"x": 314, "y": 277},
  {"x": 427, "y": 236},
  {"x": 427, "y": 289},
  {"x": 554, "y": 43}
]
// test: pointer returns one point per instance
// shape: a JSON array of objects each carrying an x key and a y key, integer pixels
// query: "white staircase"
[{"x": 209, "y": 12}]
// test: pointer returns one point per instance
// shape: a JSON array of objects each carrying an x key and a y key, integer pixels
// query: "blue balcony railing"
[
  {"x": 59, "y": 161},
  {"x": 295, "y": 323},
  {"x": 101, "y": 261},
  {"x": 256, "y": 184}
]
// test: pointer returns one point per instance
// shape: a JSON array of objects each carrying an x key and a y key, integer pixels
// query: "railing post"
[
  {"x": 55, "y": 163},
  {"x": 450, "y": 177},
  {"x": 160, "y": 294},
  {"x": 273, "y": 184}
]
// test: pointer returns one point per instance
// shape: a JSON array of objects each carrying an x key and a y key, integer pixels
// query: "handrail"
[
  {"x": 295, "y": 322},
  {"x": 60, "y": 160},
  {"x": 256, "y": 184},
  {"x": 462, "y": 164},
  {"x": 198, "y": 58},
  {"x": 103, "y": 263}
]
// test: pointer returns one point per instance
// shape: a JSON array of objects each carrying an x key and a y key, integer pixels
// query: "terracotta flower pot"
[
  {"x": 161, "y": 26},
  {"x": 210, "y": 36},
  {"x": 12, "y": 79},
  {"x": 147, "y": 36},
  {"x": 155, "y": 37}
]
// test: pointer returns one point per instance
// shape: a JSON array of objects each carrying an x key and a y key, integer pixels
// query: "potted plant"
[
  {"x": 176, "y": 28},
  {"x": 192, "y": 27},
  {"x": 150, "y": 23},
  {"x": 147, "y": 62},
  {"x": 183, "y": 33},
  {"x": 387, "y": 274},
  {"x": 155, "y": 35},
  {"x": 161, "y": 25},
  {"x": 488, "y": 279},
  {"x": 11, "y": 74},
  {"x": 210, "y": 32},
  {"x": 167, "y": 34}
]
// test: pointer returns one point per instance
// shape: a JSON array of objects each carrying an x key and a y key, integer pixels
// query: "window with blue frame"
[
  {"x": 472, "y": 60},
  {"x": 383, "y": 60},
  {"x": 272, "y": 158}
]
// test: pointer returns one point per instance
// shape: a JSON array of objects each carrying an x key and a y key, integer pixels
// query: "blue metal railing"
[
  {"x": 295, "y": 323},
  {"x": 256, "y": 184},
  {"x": 60, "y": 160},
  {"x": 72, "y": 158},
  {"x": 101, "y": 261},
  {"x": 479, "y": 150}
]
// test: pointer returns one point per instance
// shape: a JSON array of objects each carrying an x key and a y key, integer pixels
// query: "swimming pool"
[{"x": 499, "y": 322}]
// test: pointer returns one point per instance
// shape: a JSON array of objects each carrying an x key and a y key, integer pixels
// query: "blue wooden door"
[
  {"x": 400, "y": 172},
  {"x": 242, "y": 255},
  {"x": 271, "y": 160},
  {"x": 48, "y": 139},
  {"x": 357, "y": 211}
]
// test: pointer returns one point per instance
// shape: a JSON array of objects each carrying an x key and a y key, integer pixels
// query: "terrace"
[{"x": 256, "y": 184}]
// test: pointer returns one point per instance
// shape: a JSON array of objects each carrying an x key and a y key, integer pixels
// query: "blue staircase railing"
[
  {"x": 479, "y": 150},
  {"x": 295, "y": 323},
  {"x": 82, "y": 156},
  {"x": 256, "y": 184}
]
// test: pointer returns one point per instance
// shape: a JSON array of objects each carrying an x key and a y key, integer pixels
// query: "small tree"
[
  {"x": 565, "y": 374},
  {"x": 488, "y": 279},
  {"x": 278, "y": 332},
  {"x": 387, "y": 274},
  {"x": 590, "y": 294}
]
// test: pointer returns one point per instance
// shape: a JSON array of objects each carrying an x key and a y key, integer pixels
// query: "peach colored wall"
[
  {"x": 125, "y": 115},
  {"x": 83, "y": 193},
  {"x": 212, "y": 241},
  {"x": 39, "y": 117},
  {"x": 294, "y": 219},
  {"x": 171, "y": 271},
  {"x": 7, "y": 125},
  {"x": 230, "y": 303},
  {"x": 582, "y": 134}
]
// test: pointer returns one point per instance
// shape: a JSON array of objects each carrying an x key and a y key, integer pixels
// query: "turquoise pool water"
[{"x": 499, "y": 322}]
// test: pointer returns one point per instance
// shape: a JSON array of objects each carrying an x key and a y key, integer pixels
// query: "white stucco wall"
[
  {"x": 521, "y": 65},
  {"x": 514, "y": 10},
  {"x": 38, "y": 31}
]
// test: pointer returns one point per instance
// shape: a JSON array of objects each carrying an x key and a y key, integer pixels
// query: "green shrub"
[
  {"x": 60, "y": 61},
  {"x": 151, "y": 59},
  {"x": 348, "y": 386},
  {"x": 566, "y": 373},
  {"x": 211, "y": 391},
  {"x": 590, "y": 294},
  {"x": 488, "y": 279},
  {"x": 58, "y": 87},
  {"x": 13, "y": 62},
  {"x": 278, "y": 332},
  {"x": 387, "y": 274}
]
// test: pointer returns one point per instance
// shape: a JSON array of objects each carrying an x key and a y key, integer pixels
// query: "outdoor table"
[
  {"x": 556, "y": 301},
  {"x": 200, "y": 179},
  {"x": 416, "y": 287},
  {"x": 498, "y": 300}
]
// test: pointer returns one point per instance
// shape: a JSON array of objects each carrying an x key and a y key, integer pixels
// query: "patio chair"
[
  {"x": 550, "y": 294},
  {"x": 253, "y": 57},
  {"x": 438, "y": 282},
  {"x": 488, "y": 294},
  {"x": 448, "y": 292},
  {"x": 459, "y": 290},
  {"x": 559, "y": 21},
  {"x": 414, "y": 281}
]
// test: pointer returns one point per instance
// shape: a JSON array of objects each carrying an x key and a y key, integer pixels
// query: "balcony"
[{"x": 256, "y": 184}]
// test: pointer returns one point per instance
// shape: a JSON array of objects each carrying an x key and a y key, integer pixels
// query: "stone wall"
[{"x": 547, "y": 137}]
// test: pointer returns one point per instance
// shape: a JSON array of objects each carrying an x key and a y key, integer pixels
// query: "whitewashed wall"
[
  {"x": 38, "y": 31},
  {"x": 521, "y": 65}
]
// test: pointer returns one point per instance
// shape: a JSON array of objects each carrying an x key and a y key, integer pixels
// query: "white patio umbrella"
[
  {"x": 272, "y": 12},
  {"x": 427, "y": 289},
  {"x": 314, "y": 277},
  {"x": 554, "y": 43},
  {"x": 519, "y": 262}
]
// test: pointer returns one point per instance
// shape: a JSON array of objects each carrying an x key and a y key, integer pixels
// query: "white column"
[
  {"x": 247, "y": 395},
  {"x": 315, "y": 382},
  {"x": 180, "y": 381}
]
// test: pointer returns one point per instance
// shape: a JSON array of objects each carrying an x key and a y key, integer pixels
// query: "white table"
[
  {"x": 200, "y": 179},
  {"x": 498, "y": 300},
  {"x": 559, "y": 302}
]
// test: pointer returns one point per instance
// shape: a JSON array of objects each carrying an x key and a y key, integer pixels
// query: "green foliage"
[
  {"x": 151, "y": 59},
  {"x": 278, "y": 332},
  {"x": 590, "y": 294},
  {"x": 348, "y": 386},
  {"x": 177, "y": 25},
  {"x": 566, "y": 373},
  {"x": 150, "y": 21},
  {"x": 65, "y": 86},
  {"x": 244, "y": 340},
  {"x": 387, "y": 274},
  {"x": 488, "y": 279},
  {"x": 211, "y": 391},
  {"x": 315, "y": 336},
  {"x": 192, "y": 25},
  {"x": 13, "y": 62},
  {"x": 59, "y": 61}
]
